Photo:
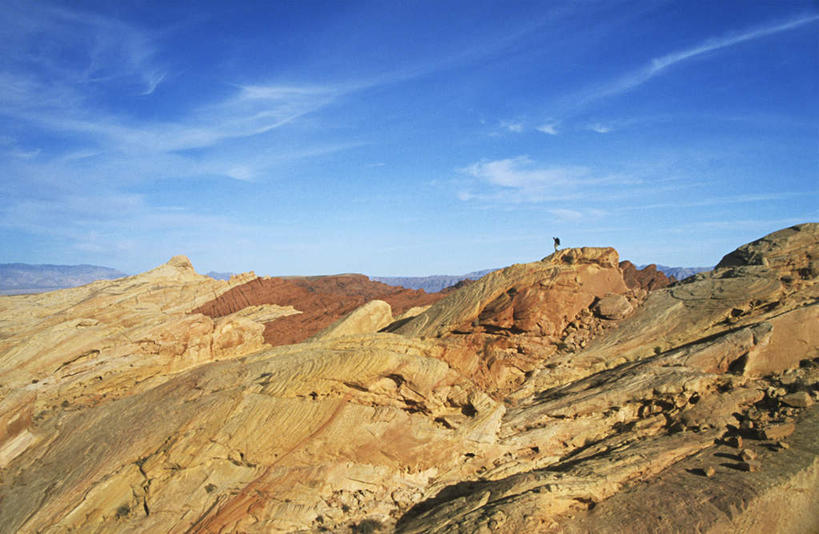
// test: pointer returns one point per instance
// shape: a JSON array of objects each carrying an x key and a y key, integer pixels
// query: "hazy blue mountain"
[
  {"x": 430, "y": 284},
  {"x": 219, "y": 276},
  {"x": 16, "y": 278},
  {"x": 680, "y": 273}
]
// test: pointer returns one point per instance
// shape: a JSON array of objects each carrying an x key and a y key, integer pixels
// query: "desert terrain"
[{"x": 571, "y": 394}]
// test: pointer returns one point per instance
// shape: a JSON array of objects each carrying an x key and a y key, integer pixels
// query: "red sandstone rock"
[
  {"x": 648, "y": 278},
  {"x": 321, "y": 299}
]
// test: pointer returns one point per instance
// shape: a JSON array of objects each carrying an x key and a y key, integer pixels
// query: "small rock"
[
  {"x": 783, "y": 445},
  {"x": 735, "y": 442},
  {"x": 777, "y": 432},
  {"x": 800, "y": 399},
  {"x": 789, "y": 379},
  {"x": 709, "y": 471},
  {"x": 747, "y": 455},
  {"x": 747, "y": 424}
]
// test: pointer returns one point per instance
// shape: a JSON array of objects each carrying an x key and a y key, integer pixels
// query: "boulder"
[{"x": 613, "y": 307}]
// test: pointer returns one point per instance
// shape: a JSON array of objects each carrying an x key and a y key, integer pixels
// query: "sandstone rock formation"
[
  {"x": 648, "y": 278},
  {"x": 367, "y": 319},
  {"x": 513, "y": 404},
  {"x": 321, "y": 300}
]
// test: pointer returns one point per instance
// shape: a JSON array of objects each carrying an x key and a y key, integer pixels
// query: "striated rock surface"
[
  {"x": 321, "y": 301},
  {"x": 516, "y": 403},
  {"x": 367, "y": 319}
]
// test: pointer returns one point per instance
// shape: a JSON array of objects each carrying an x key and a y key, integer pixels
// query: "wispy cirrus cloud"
[
  {"x": 78, "y": 47},
  {"x": 548, "y": 128},
  {"x": 600, "y": 128},
  {"x": 512, "y": 126},
  {"x": 521, "y": 172},
  {"x": 661, "y": 64},
  {"x": 58, "y": 64},
  {"x": 724, "y": 200}
]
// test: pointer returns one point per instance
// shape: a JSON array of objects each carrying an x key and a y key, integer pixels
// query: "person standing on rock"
[{"x": 557, "y": 243}]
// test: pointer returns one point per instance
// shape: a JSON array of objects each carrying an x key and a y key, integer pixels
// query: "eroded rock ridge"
[{"x": 554, "y": 396}]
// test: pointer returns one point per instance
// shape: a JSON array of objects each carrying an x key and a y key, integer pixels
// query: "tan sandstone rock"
[{"x": 507, "y": 406}]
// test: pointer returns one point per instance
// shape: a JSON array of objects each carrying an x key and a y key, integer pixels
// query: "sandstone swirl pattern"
[{"x": 545, "y": 397}]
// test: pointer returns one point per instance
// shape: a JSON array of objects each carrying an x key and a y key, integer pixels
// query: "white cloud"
[
  {"x": 548, "y": 128},
  {"x": 600, "y": 128},
  {"x": 521, "y": 173},
  {"x": 512, "y": 126}
]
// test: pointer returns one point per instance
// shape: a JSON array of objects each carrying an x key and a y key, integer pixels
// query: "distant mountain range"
[
  {"x": 430, "y": 284},
  {"x": 219, "y": 276},
  {"x": 18, "y": 278},
  {"x": 680, "y": 273}
]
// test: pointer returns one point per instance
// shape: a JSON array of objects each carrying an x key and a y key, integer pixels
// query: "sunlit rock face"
[
  {"x": 319, "y": 300},
  {"x": 545, "y": 397}
]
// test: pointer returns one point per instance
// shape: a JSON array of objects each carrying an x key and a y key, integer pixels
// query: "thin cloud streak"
[
  {"x": 659, "y": 65},
  {"x": 715, "y": 201}
]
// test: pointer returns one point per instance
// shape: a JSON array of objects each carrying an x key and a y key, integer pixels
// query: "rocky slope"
[
  {"x": 321, "y": 300},
  {"x": 545, "y": 397}
]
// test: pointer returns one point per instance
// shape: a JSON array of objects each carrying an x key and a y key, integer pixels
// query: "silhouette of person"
[{"x": 557, "y": 243}]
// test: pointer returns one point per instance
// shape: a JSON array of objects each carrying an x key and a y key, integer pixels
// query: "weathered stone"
[
  {"x": 748, "y": 454},
  {"x": 799, "y": 399},
  {"x": 710, "y": 471},
  {"x": 613, "y": 307},
  {"x": 648, "y": 278},
  {"x": 367, "y": 319},
  {"x": 778, "y": 431}
]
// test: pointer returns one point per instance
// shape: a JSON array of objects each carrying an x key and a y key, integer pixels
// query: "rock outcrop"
[
  {"x": 321, "y": 301},
  {"x": 367, "y": 319},
  {"x": 648, "y": 278},
  {"x": 544, "y": 397}
]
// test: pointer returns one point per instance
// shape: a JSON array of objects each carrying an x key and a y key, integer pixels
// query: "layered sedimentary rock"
[
  {"x": 544, "y": 397},
  {"x": 321, "y": 301}
]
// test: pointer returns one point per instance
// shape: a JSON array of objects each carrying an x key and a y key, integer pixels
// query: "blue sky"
[{"x": 402, "y": 138}]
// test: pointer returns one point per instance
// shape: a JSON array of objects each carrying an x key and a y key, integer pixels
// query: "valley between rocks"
[{"x": 555, "y": 396}]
